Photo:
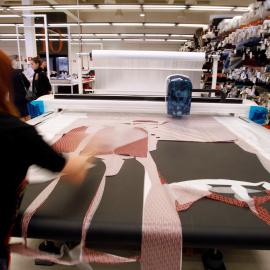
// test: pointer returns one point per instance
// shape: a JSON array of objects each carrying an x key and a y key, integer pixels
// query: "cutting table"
[{"x": 210, "y": 144}]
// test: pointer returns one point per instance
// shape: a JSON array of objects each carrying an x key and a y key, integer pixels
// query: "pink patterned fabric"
[
  {"x": 35, "y": 205},
  {"x": 70, "y": 141},
  {"x": 261, "y": 213},
  {"x": 136, "y": 149},
  {"x": 162, "y": 231}
]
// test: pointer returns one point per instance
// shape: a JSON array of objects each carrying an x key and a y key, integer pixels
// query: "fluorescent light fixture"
[
  {"x": 127, "y": 24},
  {"x": 154, "y": 40},
  {"x": 90, "y": 39},
  {"x": 133, "y": 39},
  {"x": 62, "y": 24},
  {"x": 7, "y": 24},
  {"x": 30, "y": 7},
  {"x": 74, "y": 7},
  {"x": 119, "y": 6},
  {"x": 82, "y": 35},
  {"x": 10, "y": 35},
  {"x": 192, "y": 25},
  {"x": 159, "y": 24},
  {"x": 162, "y": 7},
  {"x": 223, "y": 8},
  {"x": 177, "y": 40},
  {"x": 181, "y": 35},
  {"x": 111, "y": 39},
  {"x": 132, "y": 35},
  {"x": 142, "y": 14},
  {"x": 94, "y": 24},
  {"x": 9, "y": 16},
  {"x": 241, "y": 9},
  {"x": 12, "y": 39},
  {"x": 52, "y": 35},
  {"x": 156, "y": 35},
  {"x": 52, "y": 39},
  {"x": 107, "y": 35}
]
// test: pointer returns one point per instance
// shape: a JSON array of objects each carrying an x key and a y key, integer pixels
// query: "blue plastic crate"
[
  {"x": 35, "y": 108},
  {"x": 258, "y": 114}
]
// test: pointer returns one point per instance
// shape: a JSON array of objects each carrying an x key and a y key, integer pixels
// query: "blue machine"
[
  {"x": 178, "y": 95},
  {"x": 35, "y": 108},
  {"x": 258, "y": 114}
]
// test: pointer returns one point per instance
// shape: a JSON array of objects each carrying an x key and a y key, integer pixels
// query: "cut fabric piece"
[
  {"x": 123, "y": 139},
  {"x": 162, "y": 232},
  {"x": 70, "y": 141}
]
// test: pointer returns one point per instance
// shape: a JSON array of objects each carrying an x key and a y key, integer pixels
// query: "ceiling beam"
[{"x": 69, "y": 13}]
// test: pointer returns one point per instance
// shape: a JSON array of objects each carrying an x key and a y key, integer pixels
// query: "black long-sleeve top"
[
  {"x": 20, "y": 82},
  {"x": 20, "y": 147},
  {"x": 42, "y": 85}
]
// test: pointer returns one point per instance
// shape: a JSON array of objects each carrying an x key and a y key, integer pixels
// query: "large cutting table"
[{"x": 117, "y": 222}]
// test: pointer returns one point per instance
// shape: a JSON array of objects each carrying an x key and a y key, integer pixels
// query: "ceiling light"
[
  {"x": 133, "y": 39},
  {"x": 223, "y": 8},
  {"x": 119, "y": 6},
  {"x": 156, "y": 35},
  {"x": 127, "y": 24},
  {"x": 9, "y": 16},
  {"x": 30, "y": 7},
  {"x": 7, "y": 24},
  {"x": 181, "y": 35},
  {"x": 10, "y": 35},
  {"x": 159, "y": 24},
  {"x": 162, "y": 7},
  {"x": 90, "y": 39},
  {"x": 132, "y": 35},
  {"x": 192, "y": 25},
  {"x": 94, "y": 24},
  {"x": 142, "y": 14},
  {"x": 177, "y": 40},
  {"x": 108, "y": 35},
  {"x": 118, "y": 14},
  {"x": 154, "y": 39},
  {"x": 241, "y": 9},
  {"x": 82, "y": 35},
  {"x": 52, "y": 39},
  {"x": 12, "y": 39},
  {"x": 62, "y": 24},
  {"x": 111, "y": 39},
  {"x": 75, "y": 7}
]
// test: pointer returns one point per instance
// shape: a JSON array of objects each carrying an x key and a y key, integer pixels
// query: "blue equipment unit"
[
  {"x": 35, "y": 108},
  {"x": 178, "y": 95},
  {"x": 258, "y": 114}
]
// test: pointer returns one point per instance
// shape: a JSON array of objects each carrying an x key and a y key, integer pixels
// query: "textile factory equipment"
[{"x": 201, "y": 181}]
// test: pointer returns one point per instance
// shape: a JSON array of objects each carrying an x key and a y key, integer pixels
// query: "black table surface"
[{"x": 117, "y": 222}]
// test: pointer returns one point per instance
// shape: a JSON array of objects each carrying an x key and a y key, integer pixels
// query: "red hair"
[{"x": 6, "y": 86}]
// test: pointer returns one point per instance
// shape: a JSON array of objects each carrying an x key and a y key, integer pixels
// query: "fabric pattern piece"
[
  {"x": 70, "y": 141},
  {"x": 162, "y": 232}
]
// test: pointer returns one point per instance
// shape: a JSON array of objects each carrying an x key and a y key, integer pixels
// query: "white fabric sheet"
[{"x": 143, "y": 72}]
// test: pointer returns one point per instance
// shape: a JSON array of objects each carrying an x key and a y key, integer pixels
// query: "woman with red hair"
[{"x": 21, "y": 146}]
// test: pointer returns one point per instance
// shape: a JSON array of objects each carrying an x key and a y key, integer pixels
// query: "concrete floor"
[{"x": 233, "y": 259}]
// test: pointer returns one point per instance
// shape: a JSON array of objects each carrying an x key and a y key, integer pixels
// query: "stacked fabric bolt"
[{"x": 258, "y": 10}]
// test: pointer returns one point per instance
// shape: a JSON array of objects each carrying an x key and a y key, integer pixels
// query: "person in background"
[
  {"x": 41, "y": 85},
  {"x": 20, "y": 82},
  {"x": 21, "y": 146},
  {"x": 44, "y": 68}
]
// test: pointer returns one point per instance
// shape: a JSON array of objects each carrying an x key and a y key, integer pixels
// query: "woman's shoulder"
[{"x": 11, "y": 123}]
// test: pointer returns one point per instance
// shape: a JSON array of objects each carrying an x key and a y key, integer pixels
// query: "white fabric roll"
[{"x": 143, "y": 72}]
